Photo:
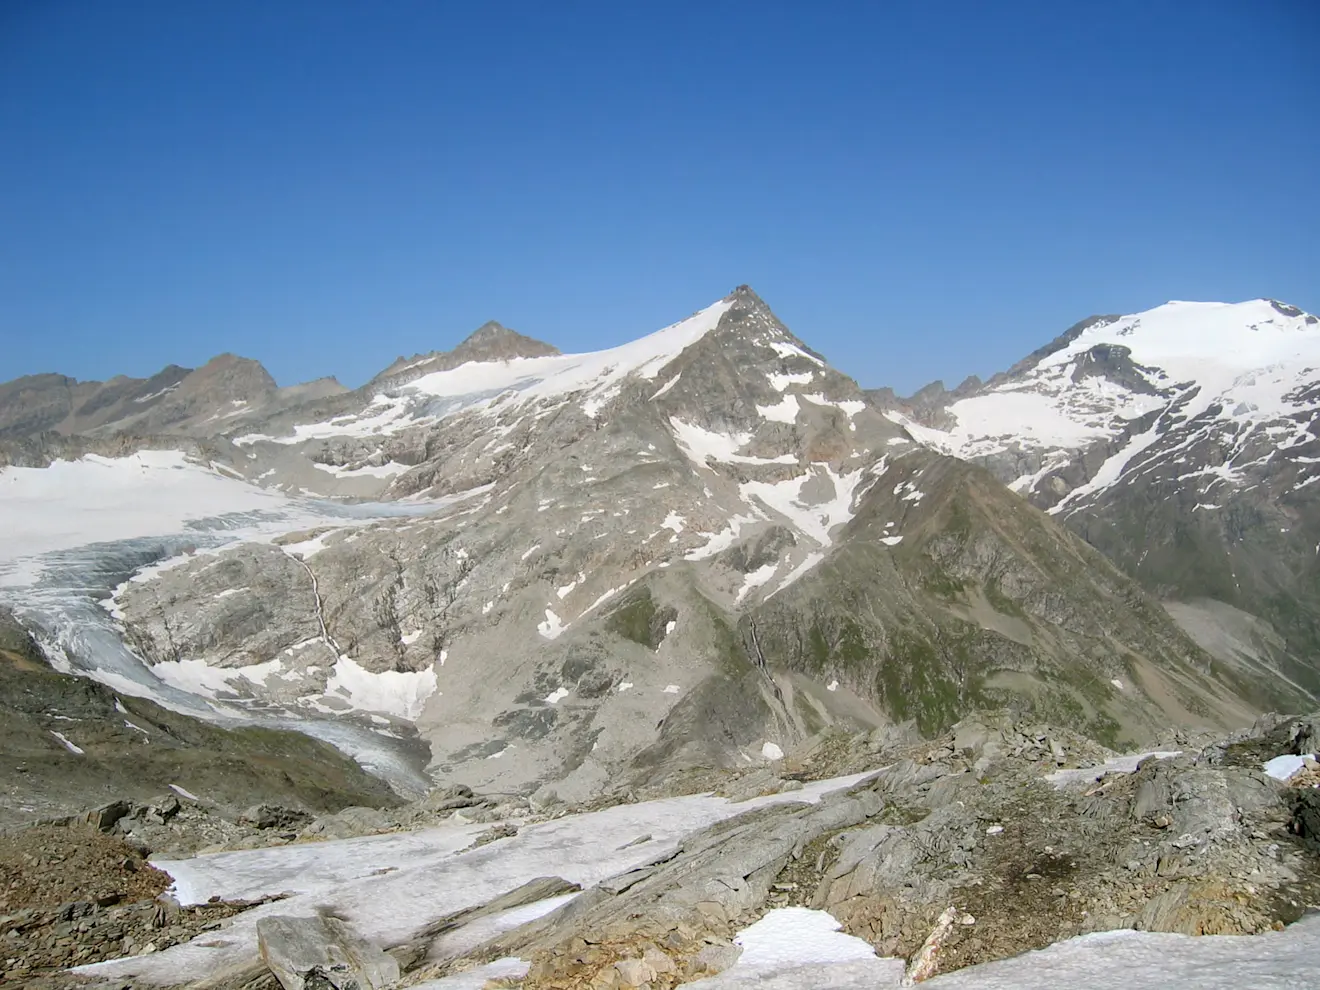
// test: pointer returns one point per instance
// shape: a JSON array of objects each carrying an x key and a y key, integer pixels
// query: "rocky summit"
[{"x": 796, "y": 645}]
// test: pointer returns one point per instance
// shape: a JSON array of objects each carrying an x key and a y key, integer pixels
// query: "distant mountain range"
[{"x": 705, "y": 546}]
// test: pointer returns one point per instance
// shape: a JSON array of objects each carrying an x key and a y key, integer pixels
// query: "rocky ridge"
[
  {"x": 692, "y": 550},
  {"x": 1182, "y": 443},
  {"x": 995, "y": 838}
]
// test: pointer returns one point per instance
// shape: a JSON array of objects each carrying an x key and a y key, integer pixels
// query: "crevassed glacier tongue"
[{"x": 58, "y": 593}]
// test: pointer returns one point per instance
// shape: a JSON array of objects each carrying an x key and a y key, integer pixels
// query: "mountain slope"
[
  {"x": 69, "y": 743},
  {"x": 201, "y": 402},
  {"x": 692, "y": 550},
  {"x": 1184, "y": 443}
]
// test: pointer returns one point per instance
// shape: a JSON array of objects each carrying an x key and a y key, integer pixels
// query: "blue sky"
[{"x": 919, "y": 190}]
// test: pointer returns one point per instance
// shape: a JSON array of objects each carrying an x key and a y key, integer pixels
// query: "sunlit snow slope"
[{"x": 1149, "y": 386}]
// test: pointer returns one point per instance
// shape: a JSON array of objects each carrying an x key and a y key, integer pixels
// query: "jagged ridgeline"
[{"x": 700, "y": 548}]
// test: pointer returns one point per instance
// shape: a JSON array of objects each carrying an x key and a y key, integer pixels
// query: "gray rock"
[{"x": 319, "y": 953}]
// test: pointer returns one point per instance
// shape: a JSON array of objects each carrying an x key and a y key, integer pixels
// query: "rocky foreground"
[{"x": 994, "y": 839}]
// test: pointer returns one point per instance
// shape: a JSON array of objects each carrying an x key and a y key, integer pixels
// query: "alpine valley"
[{"x": 514, "y": 584}]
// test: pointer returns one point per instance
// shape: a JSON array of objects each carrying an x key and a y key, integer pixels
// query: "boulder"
[
  {"x": 266, "y": 816},
  {"x": 318, "y": 953},
  {"x": 107, "y": 816}
]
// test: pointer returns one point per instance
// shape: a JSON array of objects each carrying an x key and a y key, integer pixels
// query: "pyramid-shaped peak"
[{"x": 493, "y": 341}]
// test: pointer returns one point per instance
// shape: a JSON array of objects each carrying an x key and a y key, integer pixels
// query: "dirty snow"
[
  {"x": 388, "y": 886},
  {"x": 386, "y": 470},
  {"x": 1120, "y": 764}
]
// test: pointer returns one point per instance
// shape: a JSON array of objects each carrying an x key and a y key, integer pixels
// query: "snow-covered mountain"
[
  {"x": 1184, "y": 442},
  {"x": 696, "y": 549}
]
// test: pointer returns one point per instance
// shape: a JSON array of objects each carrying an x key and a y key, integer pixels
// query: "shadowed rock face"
[{"x": 130, "y": 747}]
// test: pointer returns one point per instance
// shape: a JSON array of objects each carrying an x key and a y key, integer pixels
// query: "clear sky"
[{"x": 919, "y": 190}]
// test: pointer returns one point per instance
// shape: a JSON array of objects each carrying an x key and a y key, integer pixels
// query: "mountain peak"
[{"x": 493, "y": 341}]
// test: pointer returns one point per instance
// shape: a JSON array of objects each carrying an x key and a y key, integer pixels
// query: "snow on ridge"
[
  {"x": 597, "y": 375},
  {"x": 1181, "y": 337},
  {"x": 1247, "y": 359}
]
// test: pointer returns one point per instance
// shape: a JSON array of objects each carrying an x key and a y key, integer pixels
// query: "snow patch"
[
  {"x": 392, "y": 692},
  {"x": 783, "y": 411},
  {"x": 1283, "y": 767},
  {"x": 756, "y": 579},
  {"x": 702, "y": 445},
  {"x": 797, "y": 936},
  {"x": 67, "y": 744},
  {"x": 552, "y": 627},
  {"x": 780, "y": 382}
]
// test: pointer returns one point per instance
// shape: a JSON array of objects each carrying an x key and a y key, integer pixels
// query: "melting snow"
[
  {"x": 783, "y": 411},
  {"x": 552, "y": 627},
  {"x": 557, "y": 695},
  {"x": 781, "y": 382},
  {"x": 810, "y": 561},
  {"x": 755, "y": 579},
  {"x": 798, "y": 936},
  {"x": 393, "y": 692},
  {"x": 722, "y": 540},
  {"x": 67, "y": 745},
  {"x": 701, "y": 445},
  {"x": 1121, "y": 764},
  {"x": 784, "y": 349},
  {"x": 387, "y": 470},
  {"x": 1283, "y": 767},
  {"x": 817, "y": 520}
]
